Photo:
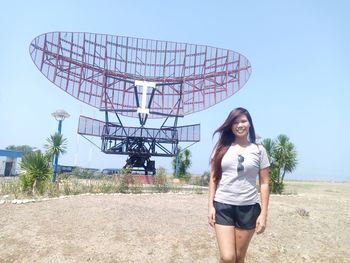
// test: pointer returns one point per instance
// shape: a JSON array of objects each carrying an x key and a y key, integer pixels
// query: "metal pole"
[
  {"x": 59, "y": 126},
  {"x": 56, "y": 155}
]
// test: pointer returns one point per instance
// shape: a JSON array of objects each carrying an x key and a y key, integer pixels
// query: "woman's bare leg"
[
  {"x": 225, "y": 236},
  {"x": 242, "y": 241}
]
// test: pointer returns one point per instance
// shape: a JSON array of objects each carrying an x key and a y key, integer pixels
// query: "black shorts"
[{"x": 243, "y": 216}]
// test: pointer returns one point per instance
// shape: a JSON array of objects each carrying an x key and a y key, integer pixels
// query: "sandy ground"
[{"x": 173, "y": 228}]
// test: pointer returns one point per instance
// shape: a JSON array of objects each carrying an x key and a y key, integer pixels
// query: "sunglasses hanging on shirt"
[{"x": 240, "y": 166}]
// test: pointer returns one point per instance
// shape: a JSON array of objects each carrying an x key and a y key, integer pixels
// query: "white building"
[{"x": 10, "y": 162}]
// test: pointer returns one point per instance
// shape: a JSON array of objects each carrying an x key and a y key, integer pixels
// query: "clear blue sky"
[{"x": 299, "y": 52}]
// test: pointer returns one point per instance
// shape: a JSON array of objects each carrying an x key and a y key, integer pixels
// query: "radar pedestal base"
[{"x": 141, "y": 163}]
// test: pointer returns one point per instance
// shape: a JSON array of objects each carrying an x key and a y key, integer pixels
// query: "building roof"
[{"x": 13, "y": 154}]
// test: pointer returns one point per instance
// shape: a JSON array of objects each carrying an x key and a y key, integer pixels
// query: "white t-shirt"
[{"x": 239, "y": 187}]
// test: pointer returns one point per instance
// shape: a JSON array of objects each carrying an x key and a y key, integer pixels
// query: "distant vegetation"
[
  {"x": 81, "y": 181},
  {"x": 184, "y": 163},
  {"x": 37, "y": 169},
  {"x": 25, "y": 149}
]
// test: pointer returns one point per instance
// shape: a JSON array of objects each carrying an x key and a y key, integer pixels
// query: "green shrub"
[
  {"x": 125, "y": 180},
  {"x": 160, "y": 181},
  {"x": 107, "y": 186},
  {"x": 35, "y": 172}
]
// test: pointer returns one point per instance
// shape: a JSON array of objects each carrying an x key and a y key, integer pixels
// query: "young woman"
[{"x": 233, "y": 208}]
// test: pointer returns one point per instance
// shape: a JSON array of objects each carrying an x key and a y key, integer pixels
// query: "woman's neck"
[{"x": 243, "y": 142}]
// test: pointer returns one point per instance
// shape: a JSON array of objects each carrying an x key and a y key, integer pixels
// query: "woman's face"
[{"x": 240, "y": 127}]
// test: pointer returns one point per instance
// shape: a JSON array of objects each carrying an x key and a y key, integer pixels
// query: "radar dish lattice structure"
[{"x": 140, "y": 78}]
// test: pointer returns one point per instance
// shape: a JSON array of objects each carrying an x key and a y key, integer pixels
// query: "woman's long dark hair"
[{"x": 227, "y": 138}]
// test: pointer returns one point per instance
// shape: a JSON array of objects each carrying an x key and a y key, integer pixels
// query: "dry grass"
[{"x": 172, "y": 227}]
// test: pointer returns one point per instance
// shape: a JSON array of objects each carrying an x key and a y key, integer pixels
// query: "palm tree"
[
  {"x": 283, "y": 159},
  {"x": 269, "y": 146},
  {"x": 285, "y": 156},
  {"x": 275, "y": 187},
  {"x": 56, "y": 146}
]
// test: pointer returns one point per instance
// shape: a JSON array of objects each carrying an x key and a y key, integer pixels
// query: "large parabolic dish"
[
  {"x": 100, "y": 70},
  {"x": 141, "y": 78}
]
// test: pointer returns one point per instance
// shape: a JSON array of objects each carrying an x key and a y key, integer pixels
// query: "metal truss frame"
[{"x": 140, "y": 78}]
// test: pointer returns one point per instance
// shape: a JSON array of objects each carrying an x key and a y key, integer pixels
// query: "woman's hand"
[
  {"x": 260, "y": 224},
  {"x": 211, "y": 216}
]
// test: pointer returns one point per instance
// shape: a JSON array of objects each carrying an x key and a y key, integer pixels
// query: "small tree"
[
  {"x": 184, "y": 163},
  {"x": 56, "y": 145},
  {"x": 283, "y": 159}
]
